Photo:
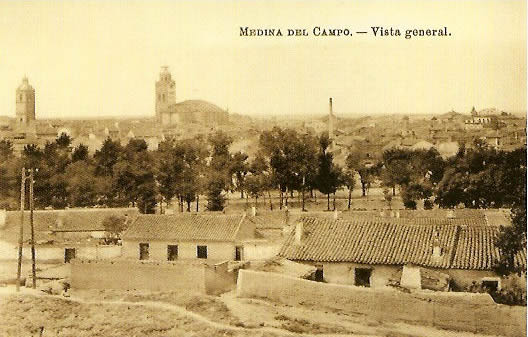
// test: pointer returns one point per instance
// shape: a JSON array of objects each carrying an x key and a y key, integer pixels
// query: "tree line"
[{"x": 286, "y": 162}]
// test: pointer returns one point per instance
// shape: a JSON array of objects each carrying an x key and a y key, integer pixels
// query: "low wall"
[
  {"x": 454, "y": 311},
  {"x": 168, "y": 276}
]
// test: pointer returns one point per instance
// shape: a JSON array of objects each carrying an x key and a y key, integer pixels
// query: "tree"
[
  {"x": 215, "y": 198},
  {"x": 328, "y": 179},
  {"x": 239, "y": 169},
  {"x": 512, "y": 239},
  {"x": 6, "y": 149},
  {"x": 219, "y": 177},
  {"x": 80, "y": 153},
  {"x": 81, "y": 184},
  {"x": 114, "y": 225},
  {"x": 349, "y": 177},
  {"x": 105, "y": 158}
]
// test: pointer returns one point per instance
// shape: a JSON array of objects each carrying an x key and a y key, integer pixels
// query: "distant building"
[
  {"x": 169, "y": 112},
  {"x": 25, "y": 103}
]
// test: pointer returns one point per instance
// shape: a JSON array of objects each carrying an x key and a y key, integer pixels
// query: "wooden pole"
[
  {"x": 21, "y": 236},
  {"x": 33, "y": 259}
]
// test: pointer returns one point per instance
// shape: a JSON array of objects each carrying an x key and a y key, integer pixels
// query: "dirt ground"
[{"x": 126, "y": 313}]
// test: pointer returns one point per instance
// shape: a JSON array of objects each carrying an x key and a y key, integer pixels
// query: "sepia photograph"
[{"x": 177, "y": 168}]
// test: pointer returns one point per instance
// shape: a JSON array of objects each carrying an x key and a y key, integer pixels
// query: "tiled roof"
[
  {"x": 385, "y": 242},
  {"x": 476, "y": 249},
  {"x": 185, "y": 227},
  {"x": 67, "y": 220},
  {"x": 370, "y": 242}
]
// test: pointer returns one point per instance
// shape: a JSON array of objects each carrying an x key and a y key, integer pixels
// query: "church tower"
[
  {"x": 165, "y": 94},
  {"x": 25, "y": 103}
]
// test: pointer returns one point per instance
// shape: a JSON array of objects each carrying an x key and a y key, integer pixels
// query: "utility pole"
[
  {"x": 33, "y": 262},
  {"x": 21, "y": 236}
]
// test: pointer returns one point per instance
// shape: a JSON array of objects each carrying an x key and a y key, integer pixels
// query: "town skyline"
[{"x": 253, "y": 76}]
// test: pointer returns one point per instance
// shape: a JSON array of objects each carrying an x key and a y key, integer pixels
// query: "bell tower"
[
  {"x": 165, "y": 93},
  {"x": 25, "y": 103}
]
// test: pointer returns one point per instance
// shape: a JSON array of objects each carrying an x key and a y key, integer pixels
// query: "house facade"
[
  {"x": 188, "y": 237},
  {"x": 379, "y": 254}
]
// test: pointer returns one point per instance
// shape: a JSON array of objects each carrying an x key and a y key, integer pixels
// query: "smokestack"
[{"x": 330, "y": 121}]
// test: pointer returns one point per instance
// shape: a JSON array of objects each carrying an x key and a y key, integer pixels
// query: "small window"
[
  {"x": 490, "y": 285},
  {"x": 201, "y": 252},
  {"x": 362, "y": 277},
  {"x": 319, "y": 274},
  {"x": 143, "y": 251},
  {"x": 69, "y": 254},
  {"x": 238, "y": 253},
  {"x": 172, "y": 252}
]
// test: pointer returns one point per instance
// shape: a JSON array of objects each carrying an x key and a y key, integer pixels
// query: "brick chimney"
[
  {"x": 437, "y": 249},
  {"x": 299, "y": 232}
]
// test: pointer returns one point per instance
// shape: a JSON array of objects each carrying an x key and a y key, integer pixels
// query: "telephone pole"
[
  {"x": 21, "y": 235},
  {"x": 33, "y": 262}
]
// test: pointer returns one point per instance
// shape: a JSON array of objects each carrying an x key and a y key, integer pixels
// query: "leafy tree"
[
  {"x": 105, "y": 158},
  {"x": 349, "y": 176},
  {"x": 239, "y": 169},
  {"x": 6, "y": 149},
  {"x": 328, "y": 179},
  {"x": 114, "y": 225},
  {"x": 81, "y": 184},
  {"x": 80, "y": 153},
  {"x": 215, "y": 188},
  {"x": 512, "y": 239},
  {"x": 219, "y": 173}
]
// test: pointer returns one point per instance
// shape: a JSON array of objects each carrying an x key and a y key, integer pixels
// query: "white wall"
[{"x": 216, "y": 251}]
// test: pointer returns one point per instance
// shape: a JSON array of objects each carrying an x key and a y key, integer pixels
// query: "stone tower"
[
  {"x": 25, "y": 103},
  {"x": 165, "y": 93}
]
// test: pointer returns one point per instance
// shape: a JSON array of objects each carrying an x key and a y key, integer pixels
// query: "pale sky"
[{"x": 97, "y": 58}]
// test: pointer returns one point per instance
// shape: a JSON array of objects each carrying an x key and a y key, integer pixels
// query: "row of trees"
[{"x": 286, "y": 162}]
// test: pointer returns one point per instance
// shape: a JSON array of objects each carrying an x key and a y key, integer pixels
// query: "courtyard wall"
[
  {"x": 153, "y": 276},
  {"x": 477, "y": 313}
]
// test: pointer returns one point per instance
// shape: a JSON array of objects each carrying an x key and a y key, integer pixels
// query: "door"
[
  {"x": 239, "y": 253},
  {"x": 69, "y": 254}
]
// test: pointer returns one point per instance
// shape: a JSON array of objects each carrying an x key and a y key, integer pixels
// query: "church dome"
[{"x": 191, "y": 106}]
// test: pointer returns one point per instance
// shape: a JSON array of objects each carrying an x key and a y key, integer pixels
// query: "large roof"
[
  {"x": 190, "y": 106},
  {"x": 90, "y": 219},
  {"x": 383, "y": 242},
  {"x": 184, "y": 227}
]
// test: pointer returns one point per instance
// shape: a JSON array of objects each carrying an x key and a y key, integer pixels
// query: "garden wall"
[
  {"x": 153, "y": 276},
  {"x": 454, "y": 311}
]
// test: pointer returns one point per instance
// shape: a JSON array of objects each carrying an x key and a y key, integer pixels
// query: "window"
[
  {"x": 362, "y": 277},
  {"x": 172, "y": 252},
  {"x": 143, "y": 251},
  {"x": 490, "y": 285},
  {"x": 319, "y": 274},
  {"x": 69, "y": 254},
  {"x": 201, "y": 252},
  {"x": 238, "y": 253}
]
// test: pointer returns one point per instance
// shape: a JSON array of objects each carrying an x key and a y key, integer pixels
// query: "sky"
[{"x": 88, "y": 59}]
